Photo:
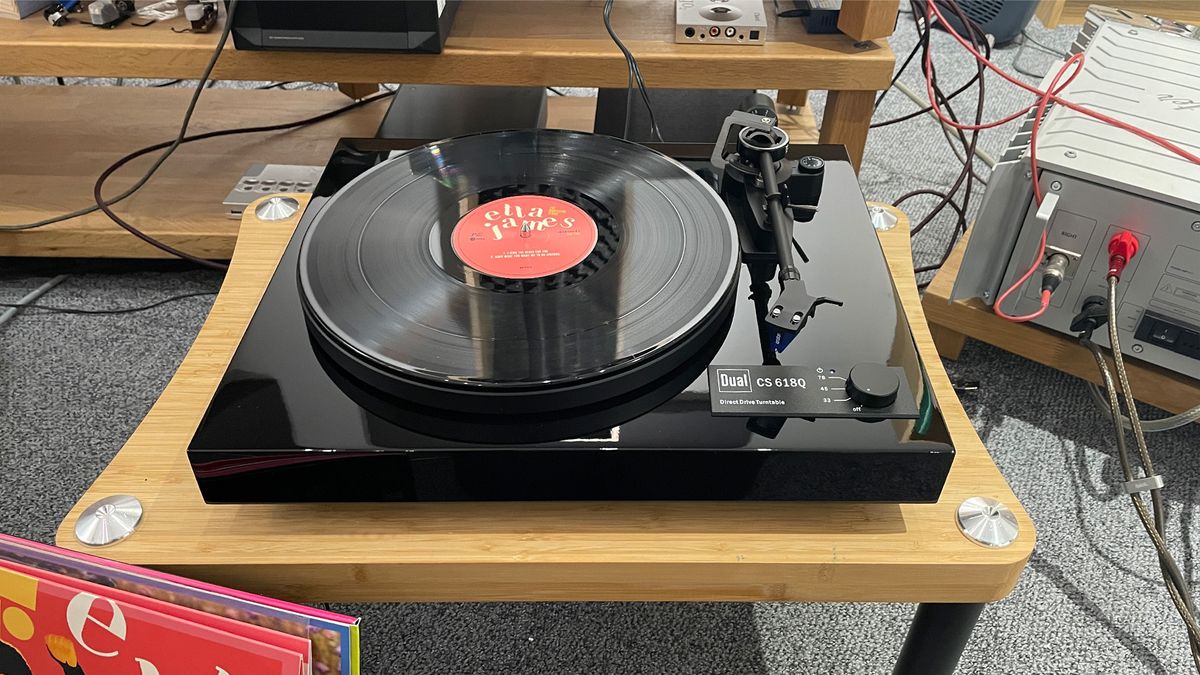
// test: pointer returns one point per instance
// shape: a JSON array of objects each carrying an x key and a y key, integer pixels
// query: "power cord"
[
  {"x": 1170, "y": 423},
  {"x": 967, "y": 177},
  {"x": 103, "y": 205},
  {"x": 1154, "y": 523},
  {"x": 1091, "y": 316},
  {"x": 199, "y": 137},
  {"x": 169, "y": 148},
  {"x": 1025, "y": 36},
  {"x": 635, "y": 75},
  {"x": 54, "y": 309},
  {"x": 29, "y": 298}
]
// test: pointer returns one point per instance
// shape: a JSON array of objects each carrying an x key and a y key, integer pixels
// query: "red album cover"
[
  {"x": 333, "y": 637},
  {"x": 230, "y": 625},
  {"x": 49, "y": 628}
]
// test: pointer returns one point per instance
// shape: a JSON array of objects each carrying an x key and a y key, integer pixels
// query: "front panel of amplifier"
[{"x": 1158, "y": 299}]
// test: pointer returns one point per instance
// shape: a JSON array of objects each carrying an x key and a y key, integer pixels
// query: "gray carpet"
[{"x": 1090, "y": 602}]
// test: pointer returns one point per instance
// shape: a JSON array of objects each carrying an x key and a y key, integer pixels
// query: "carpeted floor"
[{"x": 74, "y": 387}]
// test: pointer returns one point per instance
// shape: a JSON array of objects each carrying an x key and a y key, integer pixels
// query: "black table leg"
[{"x": 936, "y": 638}]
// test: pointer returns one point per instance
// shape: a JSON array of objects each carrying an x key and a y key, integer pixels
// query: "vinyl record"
[{"x": 526, "y": 270}]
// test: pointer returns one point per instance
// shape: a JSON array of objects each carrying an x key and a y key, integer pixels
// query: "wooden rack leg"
[
  {"x": 358, "y": 90},
  {"x": 847, "y": 121},
  {"x": 866, "y": 20},
  {"x": 949, "y": 342},
  {"x": 793, "y": 97}
]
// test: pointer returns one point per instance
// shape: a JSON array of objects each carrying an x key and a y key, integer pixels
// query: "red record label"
[{"x": 524, "y": 237}]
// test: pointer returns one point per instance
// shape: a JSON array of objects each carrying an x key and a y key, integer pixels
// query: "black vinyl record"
[{"x": 526, "y": 271}]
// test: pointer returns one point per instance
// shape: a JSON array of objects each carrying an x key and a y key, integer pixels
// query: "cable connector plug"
[
  {"x": 1091, "y": 316},
  {"x": 1121, "y": 249},
  {"x": 1055, "y": 271}
]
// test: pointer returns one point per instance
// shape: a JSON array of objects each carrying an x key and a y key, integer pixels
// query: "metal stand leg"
[{"x": 936, "y": 638}]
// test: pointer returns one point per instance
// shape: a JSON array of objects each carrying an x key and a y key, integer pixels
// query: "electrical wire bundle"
[
  {"x": 1074, "y": 66},
  {"x": 635, "y": 76},
  {"x": 966, "y": 179}
]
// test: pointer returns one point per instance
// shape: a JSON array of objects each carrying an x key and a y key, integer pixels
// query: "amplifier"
[
  {"x": 1100, "y": 181},
  {"x": 353, "y": 25}
]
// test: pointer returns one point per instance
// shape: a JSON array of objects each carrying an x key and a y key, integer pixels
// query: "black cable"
[
  {"x": 276, "y": 85},
  {"x": 962, "y": 218},
  {"x": 168, "y": 83},
  {"x": 896, "y": 78},
  {"x": 100, "y": 203},
  {"x": 634, "y": 71},
  {"x": 924, "y": 28},
  {"x": 959, "y": 229},
  {"x": 556, "y": 92},
  {"x": 61, "y": 82},
  {"x": 54, "y": 309},
  {"x": 966, "y": 175},
  {"x": 199, "y": 137},
  {"x": 201, "y": 84}
]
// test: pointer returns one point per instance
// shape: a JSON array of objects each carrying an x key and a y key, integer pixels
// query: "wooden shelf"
[
  {"x": 51, "y": 171},
  {"x": 493, "y": 42},
  {"x": 57, "y": 140},
  {"x": 499, "y": 42},
  {"x": 743, "y": 551},
  {"x": 953, "y": 322}
]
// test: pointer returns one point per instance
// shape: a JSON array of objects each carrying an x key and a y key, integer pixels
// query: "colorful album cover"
[
  {"x": 290, "y": 643},
  {"x": 334, "y": 637},
  {"x": 48, "y": 628}
]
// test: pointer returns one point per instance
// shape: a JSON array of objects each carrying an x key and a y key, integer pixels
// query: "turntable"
[{"x": 553, "y": 315}]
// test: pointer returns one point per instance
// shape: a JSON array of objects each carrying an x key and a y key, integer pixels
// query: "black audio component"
[
  {"x": 683, "y": 115},
  {"x": 543, "y": 314},
  {"x": 344, "y": 25},
  {"x": 445, "y": 110}
]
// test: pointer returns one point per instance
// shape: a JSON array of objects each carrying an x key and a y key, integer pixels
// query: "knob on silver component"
[{"x": 277, "y": 208}]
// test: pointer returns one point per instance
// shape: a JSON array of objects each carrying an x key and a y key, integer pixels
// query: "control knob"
[{"x": 872, "y": 385}]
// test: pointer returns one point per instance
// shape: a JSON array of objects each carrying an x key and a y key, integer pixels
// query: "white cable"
[
  {"x": 982, "y": 154},
  {"x": 31, "y": 297}
]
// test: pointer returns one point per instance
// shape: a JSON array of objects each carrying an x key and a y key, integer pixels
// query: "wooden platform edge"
[
  {"x": 952, "y": 322},
  {"x": 501, "y": 565}
]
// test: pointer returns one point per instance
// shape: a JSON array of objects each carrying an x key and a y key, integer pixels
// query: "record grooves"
[
  {"x": 539, "y": 315},
  {"x": 390, "y": 300}
]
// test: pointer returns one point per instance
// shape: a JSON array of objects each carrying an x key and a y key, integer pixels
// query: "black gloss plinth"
[{"x": 288, "y": 423}]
